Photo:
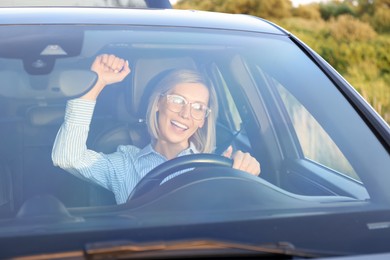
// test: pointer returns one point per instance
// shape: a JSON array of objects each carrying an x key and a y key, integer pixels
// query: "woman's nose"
[{"x": 186, "y": 111}]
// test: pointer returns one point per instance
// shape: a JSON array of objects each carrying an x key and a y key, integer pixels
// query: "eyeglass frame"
[{"x": 206, "y": 109}]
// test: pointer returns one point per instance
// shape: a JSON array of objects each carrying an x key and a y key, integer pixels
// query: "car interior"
[
  {"x": 32, "y": 126},
  {"x": 33, "y": 105}
]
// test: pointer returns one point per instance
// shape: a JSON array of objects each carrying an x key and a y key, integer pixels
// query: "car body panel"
[
  {"x": 155, "y": 17},
  {"x": 266, "y": 81}
]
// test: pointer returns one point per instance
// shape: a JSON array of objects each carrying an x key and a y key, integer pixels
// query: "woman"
[{"x": 180, "y": 122}]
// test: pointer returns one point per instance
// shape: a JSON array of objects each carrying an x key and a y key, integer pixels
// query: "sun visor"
[{"x": 59, "y": 84}]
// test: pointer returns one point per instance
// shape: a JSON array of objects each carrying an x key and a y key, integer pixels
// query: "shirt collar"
[
  {"x": 190, "y": 150},
  {"x": 150, "y": 150}
]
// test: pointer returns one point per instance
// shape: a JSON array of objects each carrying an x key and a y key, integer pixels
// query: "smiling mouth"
[{"x": 179, "y": 125}]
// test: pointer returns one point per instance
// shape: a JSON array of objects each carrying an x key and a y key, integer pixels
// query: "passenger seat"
[{"x": 6, "y": 191}]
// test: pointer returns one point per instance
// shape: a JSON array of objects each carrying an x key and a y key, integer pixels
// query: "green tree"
[
  {"x": 347, "y": 28},
  {"x": 268, "y": 9},
  {"x": 335, "y": 9},
  {"x": 376, "y": 12},
  {"x": 369, "y": 7},
  {"x": 381, "y": 20},
  {"x": 310, "y": 11}
]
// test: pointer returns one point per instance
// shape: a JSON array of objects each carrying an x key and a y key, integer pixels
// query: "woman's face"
[{"x": 177, "y": 127}]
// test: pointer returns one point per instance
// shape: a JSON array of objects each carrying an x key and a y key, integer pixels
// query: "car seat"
[{"x": 6, "y": 191}]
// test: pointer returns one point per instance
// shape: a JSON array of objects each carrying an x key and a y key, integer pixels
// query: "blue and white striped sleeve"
[{"x": 70, "y": 150}]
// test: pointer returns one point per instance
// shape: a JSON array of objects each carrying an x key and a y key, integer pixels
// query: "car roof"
[
  {"x": 90, "y": 3},
  {"x": 147, "y": 17}
]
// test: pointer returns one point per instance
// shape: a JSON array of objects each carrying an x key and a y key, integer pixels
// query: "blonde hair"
[{"x": 204, "y": 138}]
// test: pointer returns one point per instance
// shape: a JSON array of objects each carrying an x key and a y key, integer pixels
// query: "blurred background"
[{"x": 352, "y": 35}]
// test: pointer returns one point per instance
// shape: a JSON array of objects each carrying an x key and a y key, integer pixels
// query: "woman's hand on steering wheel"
[{"x": 243, "y": 161}]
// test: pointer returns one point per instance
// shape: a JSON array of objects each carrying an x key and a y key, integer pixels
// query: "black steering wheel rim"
[{"x": 158, "y": 174}]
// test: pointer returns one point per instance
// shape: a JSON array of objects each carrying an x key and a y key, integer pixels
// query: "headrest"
[{"x": 144, "y": 71}]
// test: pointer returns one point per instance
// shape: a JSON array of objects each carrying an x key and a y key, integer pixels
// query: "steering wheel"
[{"x": 154, "y": 178}]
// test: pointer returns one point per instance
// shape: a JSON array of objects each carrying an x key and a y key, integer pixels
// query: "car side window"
[
  {"x": 234, "y": 117},
  {"x": 314, "y": 141},
  {"x": 230, "y": 127}
]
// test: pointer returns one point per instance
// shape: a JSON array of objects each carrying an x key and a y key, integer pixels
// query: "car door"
[{"x": 289, "y": 132}]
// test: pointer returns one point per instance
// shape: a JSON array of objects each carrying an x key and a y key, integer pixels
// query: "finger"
[
  {"x": 97, "y": 63},
  {"x": 254, "y": 167},
  {"x": 117, "y": 64},
  {"x": 126, "y": 68},
  {"x": 104, "y": 59},
  {"x": 228, "y": 152},
  {"x": 110, "y": 60},
  {"x": 124, "y": 71},
  {"x": 250, "y": 164},
  {"x": 97, "y": 60},
  {"x": 105, "y": 62},
  {"x": 247, "y": 162},
  {"x": 237, "y": 160}
]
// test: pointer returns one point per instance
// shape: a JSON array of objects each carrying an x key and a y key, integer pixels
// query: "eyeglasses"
[{"x": 176, "y": 103}]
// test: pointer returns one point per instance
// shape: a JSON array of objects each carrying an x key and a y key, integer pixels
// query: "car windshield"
[{"x": 317, "y": 155}]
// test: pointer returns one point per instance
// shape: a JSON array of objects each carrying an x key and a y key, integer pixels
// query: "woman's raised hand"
[{"x": 110, "y": 69}]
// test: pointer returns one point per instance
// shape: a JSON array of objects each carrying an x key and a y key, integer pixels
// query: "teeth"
[{"x": 179, "y": 125}]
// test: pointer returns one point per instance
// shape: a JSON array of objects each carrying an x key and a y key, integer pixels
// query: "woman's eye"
[
  {"x": 178, "y": 100},
  {"x": 197, "y": 106}
]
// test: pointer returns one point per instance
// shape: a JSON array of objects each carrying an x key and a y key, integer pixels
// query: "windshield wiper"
[{"x": 193, "y": 248}]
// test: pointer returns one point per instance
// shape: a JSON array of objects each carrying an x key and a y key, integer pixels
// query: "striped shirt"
[{"x": 119, "y": 172}]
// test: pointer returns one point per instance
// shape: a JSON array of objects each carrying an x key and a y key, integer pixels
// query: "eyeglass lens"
[{"x": 176, "y": 104}]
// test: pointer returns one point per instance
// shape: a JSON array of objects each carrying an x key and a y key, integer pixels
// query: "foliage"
[
  {"x": 309, "y": 11},
  {"x": 346, "y": 28},
  {"x": 335, "y": 9},
  {"x": 352, "y": 35},
  {"x": 381, "y": 20},
  {"x": 364, "y": 61},
  {"x": 265, "y": 9}
]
